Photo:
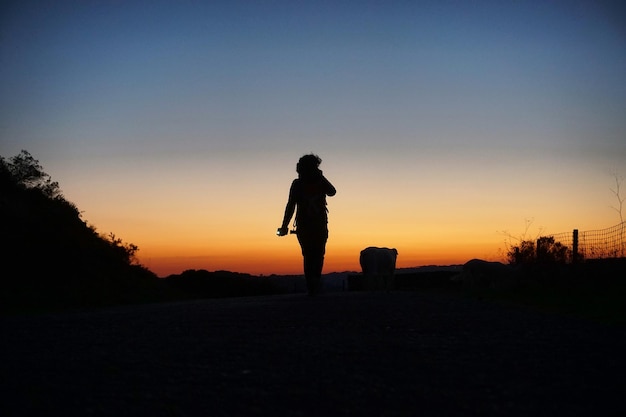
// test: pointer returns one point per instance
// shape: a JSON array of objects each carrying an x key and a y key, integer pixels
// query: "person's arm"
[
  {"x": 330, "y": 189},
  {"x": 290, "y": 208}
]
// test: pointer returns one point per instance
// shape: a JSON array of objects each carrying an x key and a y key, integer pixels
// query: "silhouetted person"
[{"x": 308, "y": 195}]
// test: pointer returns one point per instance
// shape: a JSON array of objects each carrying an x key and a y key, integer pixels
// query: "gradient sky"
[{"x": 177, "y": 125}]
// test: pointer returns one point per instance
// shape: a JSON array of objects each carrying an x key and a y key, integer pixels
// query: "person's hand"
[{"x": 282, "y": 231}]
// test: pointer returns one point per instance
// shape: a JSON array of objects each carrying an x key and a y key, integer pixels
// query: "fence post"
[
  {"x": 575, "y": 246},
  {"x": 540, "y": 251}
]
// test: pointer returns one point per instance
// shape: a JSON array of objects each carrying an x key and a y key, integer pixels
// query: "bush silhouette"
[{"x": 546, "y": 251}]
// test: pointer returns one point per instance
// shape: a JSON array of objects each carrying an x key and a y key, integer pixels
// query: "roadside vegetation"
[
  {"x": 552, "y": 281},
  {"x": 54, "y": 260}
]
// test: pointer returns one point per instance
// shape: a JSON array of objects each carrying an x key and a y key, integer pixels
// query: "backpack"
[{"x": 311, "y": 203}]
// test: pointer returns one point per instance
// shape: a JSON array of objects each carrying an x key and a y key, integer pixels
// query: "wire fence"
[
  {"x": 595, "y": 244},
  {"x": 605, "y": 243}
]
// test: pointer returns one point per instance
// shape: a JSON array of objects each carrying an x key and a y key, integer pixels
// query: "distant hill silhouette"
[{"x": 204, "y": 284}]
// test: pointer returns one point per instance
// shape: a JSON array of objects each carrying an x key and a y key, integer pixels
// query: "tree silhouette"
[
  {"x": 25, "y": 171},
  {"x": 618, "y": 195}
]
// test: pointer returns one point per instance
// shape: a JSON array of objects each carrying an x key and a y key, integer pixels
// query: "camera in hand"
[{"x": 279, "y": 233}]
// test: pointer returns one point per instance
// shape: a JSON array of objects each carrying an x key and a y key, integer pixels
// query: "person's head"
[{"x": 308, "y": 165}]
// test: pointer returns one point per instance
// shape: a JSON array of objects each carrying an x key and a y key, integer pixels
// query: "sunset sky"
[{"x": 444, "y": 125}]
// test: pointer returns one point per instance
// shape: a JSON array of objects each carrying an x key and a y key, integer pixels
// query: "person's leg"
[
  {"x": 304, "y": 246},
  {"x": 313, "y": 244},
  {"x": 310, "y": 274}
]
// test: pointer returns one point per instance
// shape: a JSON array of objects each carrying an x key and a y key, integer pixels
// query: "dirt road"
[{"x": 342, "y": 354}]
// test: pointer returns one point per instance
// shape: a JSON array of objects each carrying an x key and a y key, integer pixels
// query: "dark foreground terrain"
[{"x": 342, "y": 354}]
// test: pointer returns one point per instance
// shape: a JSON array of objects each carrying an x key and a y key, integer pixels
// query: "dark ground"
[{"x": 341, "y": 354}]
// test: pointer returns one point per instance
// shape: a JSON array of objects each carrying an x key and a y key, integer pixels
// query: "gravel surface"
[{"x": 339, "y": 354}]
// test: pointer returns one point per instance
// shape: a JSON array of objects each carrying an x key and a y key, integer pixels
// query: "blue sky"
[
  {"x": 483, "y": 97},
  {"x": 510, "y": 75}
]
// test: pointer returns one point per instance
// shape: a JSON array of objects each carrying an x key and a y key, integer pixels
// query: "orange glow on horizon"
[
  {"x": 230, "y": 225},
  {"x": 289, "y": 260}
]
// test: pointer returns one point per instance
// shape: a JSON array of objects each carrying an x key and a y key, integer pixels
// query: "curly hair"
[{"x": 308, "y": 165}]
